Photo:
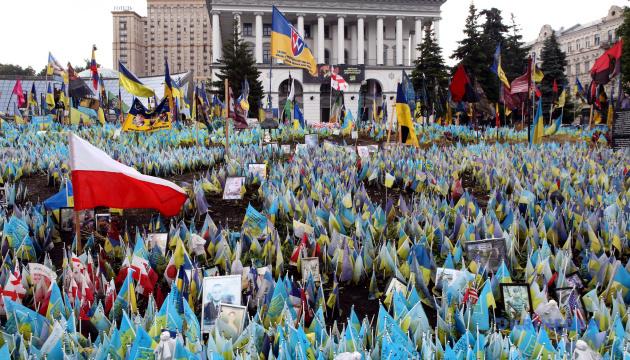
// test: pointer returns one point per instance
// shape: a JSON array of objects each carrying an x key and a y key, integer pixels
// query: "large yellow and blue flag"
[
  {"x": 497, "y": 69},
  {"x": 403, "y": 112},
  {"x": 131, "y": 83},
  {"x": 538, "y": 128},
  {"x": 168, "y": 87},
  {"x": 288, "y": 46}
]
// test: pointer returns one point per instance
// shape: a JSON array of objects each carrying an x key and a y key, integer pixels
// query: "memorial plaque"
[{"x": 621, "y": 130}]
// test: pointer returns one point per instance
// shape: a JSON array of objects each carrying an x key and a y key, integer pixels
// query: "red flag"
[
  {"x": 99, "y": 180},
  {"x": 461, "y": 86},
  {"x": 497, "y": 115},
  {"x": 17, "y": 91},
  {"x": 555, "y": 87},
  {"x": 94, "y": 69},
  {"x": 607, "y": 65}
]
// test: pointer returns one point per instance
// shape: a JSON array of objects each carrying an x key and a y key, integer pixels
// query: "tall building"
[
  {"x": 370, "y": 41},
  {"x": 582, "y": 43},
  {"x": 176, "y": 29}
]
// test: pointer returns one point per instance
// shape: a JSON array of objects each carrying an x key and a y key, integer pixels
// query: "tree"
[
  {"x": 514, "y": 60},
  {"x": 553, "y": 64},
  {"x": 623, "y": 31},
  {"x": 470, "y": 52},
  {"x": 430, "y": 72},
  {"x": 491, "y": 35},
  {"x": 10, "y": 69},
  {"x": 239, "y": 65}
]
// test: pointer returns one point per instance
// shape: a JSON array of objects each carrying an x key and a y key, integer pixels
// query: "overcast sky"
[{"x": 68, "y": 28}]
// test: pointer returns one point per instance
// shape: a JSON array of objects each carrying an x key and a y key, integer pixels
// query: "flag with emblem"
[{"x": 287, "y": 44}]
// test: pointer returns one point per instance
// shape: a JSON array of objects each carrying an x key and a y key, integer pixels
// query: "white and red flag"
[
  {"x": 338, "y": 83},
  {"x": 99, "y": 180}
]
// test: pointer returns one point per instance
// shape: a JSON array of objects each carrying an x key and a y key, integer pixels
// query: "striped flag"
[{"x": 471, "y": 295}]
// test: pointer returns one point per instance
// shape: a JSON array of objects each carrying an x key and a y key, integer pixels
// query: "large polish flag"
[{"x": 99, "y": 180}]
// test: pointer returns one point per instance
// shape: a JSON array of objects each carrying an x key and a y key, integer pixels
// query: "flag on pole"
[
  {"x": 19, "y": 93},
  {"x": 338, "y": 83},
  {"x": 287, "y": 44},
  {"x": 99, "y": 180},
  {"x": 403, "y": 112},
  {"x": 497, "y": 69},
  {"x": 94, "y": 69},
  {"x": 131, "y": 83},
  {"x": 168, "y": 87},
  {"x": 538, "y": 127}
]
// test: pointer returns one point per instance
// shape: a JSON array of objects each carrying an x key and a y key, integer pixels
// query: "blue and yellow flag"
[
  {"x": 50, "y": 98},
  {"x": 538, "y": 128},
  {"x": 497, "y": 69},
  {"x": 168, "y": 87},
  {"x": 132, "y": 84},
  {"x": 403, "y": 112},
  {"x": 288, "y": 46}
]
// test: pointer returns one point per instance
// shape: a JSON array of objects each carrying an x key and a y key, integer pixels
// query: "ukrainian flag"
[
  {"x": 538, "y": 128},
  {"x": 132, "y": 84},
  {"x": 169, "y": 92},
  {"x": 404, "y": 118},
  {"x": 288, "y": 46}
]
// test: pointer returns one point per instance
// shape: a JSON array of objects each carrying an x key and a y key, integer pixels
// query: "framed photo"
[
  {"x": 102, "y": 222},
  {"x": 286, "y": 149},
  {"x": 574, "y": 280},
  {"x": 232, "y": 189},
  {"x": 444, "y": 274},
  {"x": 516, "y": 300},
  {"x": 159, "y": 240},
  {"x": 363, "y": 152},
  {"x": 395, "y": 285},
  {"x": 231, "y": 319},
  {"x": 310, "y": 267},
  {"x": 218, "y": 290},
  {"x": 66, "y": 219},
  {"x": 487, "y": 252},
  {"x": 87, "y": 220},
  {"x": 311, "y": 140},
  {"x": 355, "y": 135},
  {"x": 4, "y": 199},
  {"x": 257, "y": 170},
  {"x": 566, "y": 297}
]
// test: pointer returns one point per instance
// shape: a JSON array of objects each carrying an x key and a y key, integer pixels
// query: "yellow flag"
[
  {"x": 538, "y": 75},
  {"x": 389, "y": 180},
  {"x": 562, "y": 99}
]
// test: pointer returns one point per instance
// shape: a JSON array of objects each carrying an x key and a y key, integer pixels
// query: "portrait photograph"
[
  {"x": 232, "y": 189},
  {"x": 158, "y": 240},
  {"x": 516, "y": 300},
  {"x": 310, "y": 267},
  {"x": 311, "y": 140},
  {"x": 445, "y": 275},
  {"x": 487, "y": 252},
  {"x": 257, "y": 170},
  {"x": 218, "y": 290},
  {"x": 3, "y": 195},
  {"x": 574, "y": 280},
  {"x": 87, "y": 220},
  {"x": 66, "y": 219},
  {"x": 231, "y": 320},
  {"x": 286, "y": 149},
  {"x": 102, "y": 222},
  {"x": 363, "y": 152}
]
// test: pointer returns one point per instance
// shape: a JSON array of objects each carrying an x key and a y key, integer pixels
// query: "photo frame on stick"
[
  {"x": 218, "y": 290},
  {"x": 232, "y": 189},
  {"x": 517, "y": 300},
  {"x": 488, "y": 252},
  {"x": 310, "y": 267}
]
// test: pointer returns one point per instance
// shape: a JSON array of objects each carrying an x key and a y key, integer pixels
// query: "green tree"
[
  {"x": 470, "y": 53},
  {"x": 430, "y": 68},
  {"x": 514, "y": 60},
  {"x": 10, "y": 69},
  {"x": 553, "y": 63},
  {"x": 238, "y": 64},
  {"x": 492, "y": 34},
  {"x": 623, "y": 31}
]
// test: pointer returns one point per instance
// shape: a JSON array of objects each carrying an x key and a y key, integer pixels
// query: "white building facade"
[
  {"x": 582, "y": 44},
  {"x": 370, "y": 42}
]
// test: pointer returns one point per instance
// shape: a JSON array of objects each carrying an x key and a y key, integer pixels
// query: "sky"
[{"x": 68, "y": 28}]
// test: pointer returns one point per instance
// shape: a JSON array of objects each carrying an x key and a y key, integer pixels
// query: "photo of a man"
[{"x": 217, "y": 290}]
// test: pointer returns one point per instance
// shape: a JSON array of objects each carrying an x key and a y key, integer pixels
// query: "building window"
[
  {"x": 570, "y": 47},
  {"x": 586, "y": 66},
  {"x": 596, "y": 40},
  {"x": 326, "y": 56},
  {"x": 346, "y": 33},
  {"x": 326, "y": 32},
  {"x": 610, "y": 36},
  {"x": 266, "y": 53},
  {"x": 266, "y": 29},
  {"x": 247, "y": 29},
  {"x": 307, "y": 31},
  {"x": 588, "y": 43},
  {"x": 123, "y": 25}
]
